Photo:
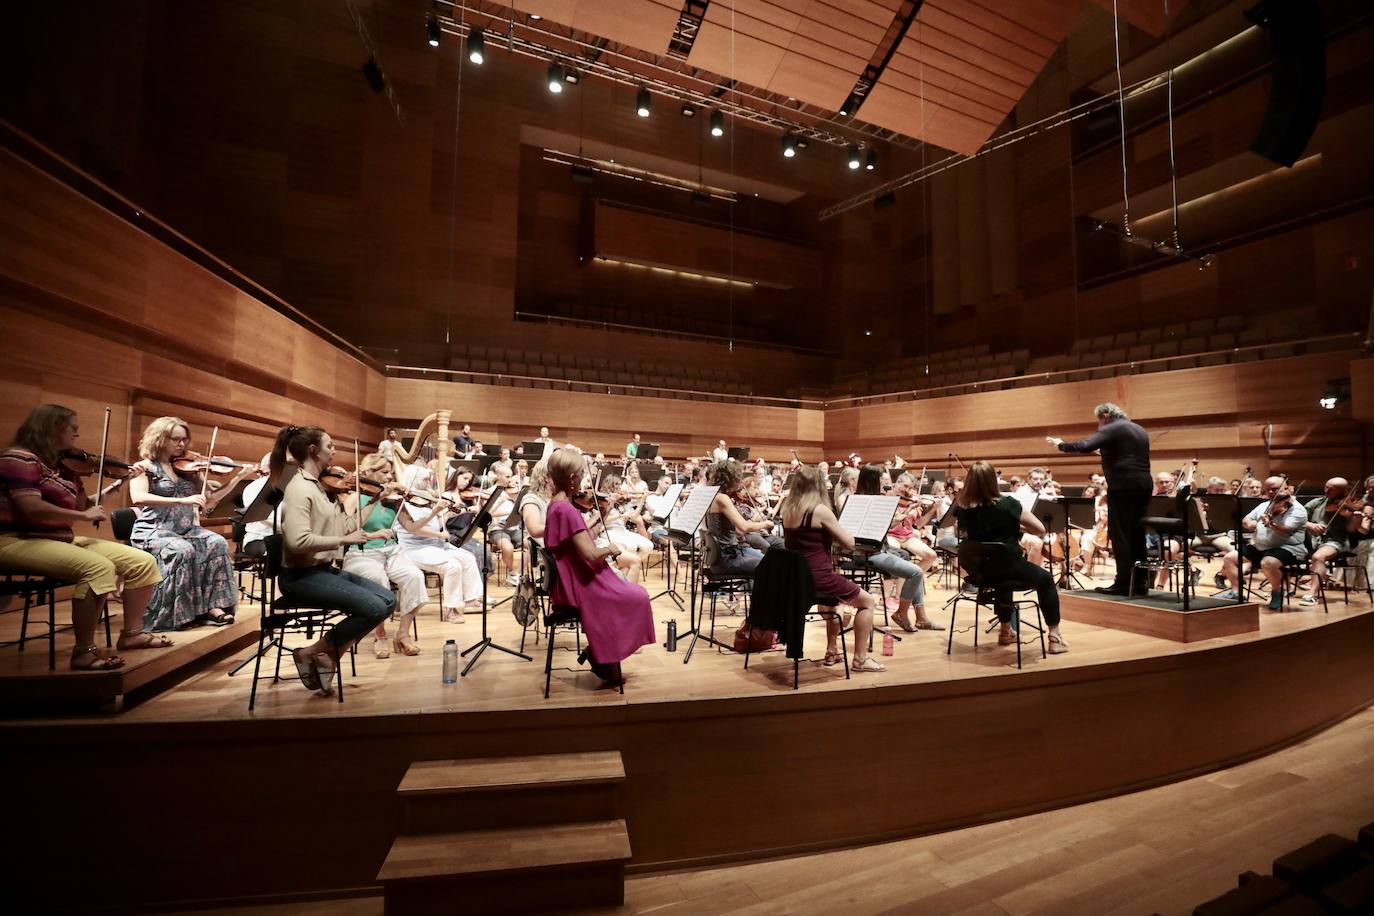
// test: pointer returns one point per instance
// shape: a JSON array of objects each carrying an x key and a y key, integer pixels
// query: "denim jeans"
[
  {"x": 365, "y": 603},
  {"x": 738, "y": 560},
  {"x": 912, "y": 576}
]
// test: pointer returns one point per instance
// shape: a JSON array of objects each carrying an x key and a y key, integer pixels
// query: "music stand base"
[{"x": 481, "y": 646}]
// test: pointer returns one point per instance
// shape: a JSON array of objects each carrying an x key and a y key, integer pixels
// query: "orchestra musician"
[
  {"x": 1027, "y": 491},
  {"x": 727, "y": 525},
  {"x": 616, "y": 615},
  {"x": 632, "y": 447},
  {"x": 912, "y": 592},
  {"x": 810, "y": 529},
  {"x": 988, "y": 516},
  {"x": 464, "y": 443},
  {"x": 1335, "y": 521},
  {"x": 534, "y": 505},
  {"x": 1278, "y": 537},
  {"x": 390, "y": 446},
  {"x": 1125, "y": 450},
  {"x": 913, "y": 515},
  {"x": 720, "y": 453},
  {"x": 497, "y": 533},
  {"x": 382, "y": 561},
  {"x": 617, "y": 516},
  {"x": 198, "y": 585},
  {"x": 40, "y": 501},
  {"x": 423, "y": 539},
  {"x": 315, "y": 527}
]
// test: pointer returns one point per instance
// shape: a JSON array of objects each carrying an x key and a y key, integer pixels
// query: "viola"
[
  {"x": 82, "y": 463},
  {"x": 194, "y": 462}
]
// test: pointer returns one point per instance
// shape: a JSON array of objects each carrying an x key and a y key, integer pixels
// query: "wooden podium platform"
[{"x": 1161, "y": 614}]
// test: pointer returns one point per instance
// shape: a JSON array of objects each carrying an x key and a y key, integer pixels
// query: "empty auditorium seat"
[{"x": 1323, "y": 861}]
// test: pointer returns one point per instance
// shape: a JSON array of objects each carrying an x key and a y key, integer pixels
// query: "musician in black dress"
[{"x": 1125, "y": 450}]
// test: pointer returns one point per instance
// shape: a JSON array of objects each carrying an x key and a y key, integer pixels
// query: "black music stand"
[
  {"x": 1054, "y": 515},
  {"x": 673, "y": 542},
  {"x": 1179, "y": 507},
  {"x": 1224, "y": 513},
  {"x": 647, "y": 451},
  {"x": 1082, "y": 516},
  {"x": 516, "y": 520},
  {"x": 739, "y": 453},
  {"x": 684, "y": 530},
  {"x": 530, "y": 451},
  {"x": 481, "y": 521}
]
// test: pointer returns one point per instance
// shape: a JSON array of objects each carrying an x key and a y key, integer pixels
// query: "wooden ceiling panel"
[
  {"x": 819, "y": 41},
  {"x": 948, "y": 92},
  {"x": 1145, "y": 14},
  {"x": 995, "y": 22},
  {"x": 863, "y": 19},
  {"x": 817, "y": 82},
  {"x": 906, "y": 74},
  {"x": 738, "y": 56},
  {"x": 936, "y": 23},
  {"x": 559, "y": 11},
  {"x": 916, "y": 60},
  {"x": 646, "y": 24},
  {"x": 900, "y": 111}
]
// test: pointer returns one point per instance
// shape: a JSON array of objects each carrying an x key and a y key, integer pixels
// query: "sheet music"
[
  {"x": 689, "y": 515},
  {"x": 660, "y": 506},
  {"x": 868, "y": 517}
]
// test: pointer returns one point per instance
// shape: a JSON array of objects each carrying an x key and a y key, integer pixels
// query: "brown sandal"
[
  {"x": 381, "y": 647},
  {"x": 404, "y": 646},
  {"x": 97, "y": 661},
  {"x": 141, "y": 640}
]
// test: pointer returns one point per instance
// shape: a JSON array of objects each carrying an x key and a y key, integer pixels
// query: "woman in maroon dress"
[
  {"x": 616, "y": 615},
  {"x": 810, "y": 528}
]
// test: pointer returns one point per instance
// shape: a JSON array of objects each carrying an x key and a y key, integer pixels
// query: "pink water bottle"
[{"x": 887, "y": 643}]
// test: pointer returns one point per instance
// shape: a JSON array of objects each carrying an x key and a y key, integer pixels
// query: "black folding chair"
[
  {"x": 987, "y": 567},
  {"x": 555, "y": 616}
]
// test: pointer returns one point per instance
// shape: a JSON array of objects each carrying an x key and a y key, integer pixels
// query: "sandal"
[
  {"x": 306, "y": 669},
  {"x": 868, "y": 664},
  {"x": 905, "y": 624},
  {"x": 97, "y": 662},
  {"x": 1006, "y": 638},
  {"x": 381, "y": 647},
  {"x": 1057, "y": 644},
  {"x": 453, "y": 615},
  {"x": 141, "y": 640},
  {"x": 404, "y": 646},
  {"x": 223, "y": 620},
  {"x": 325, "y": 672},
  {"x": 832, "y": 659},
  {"x": 928, "y": 624}
]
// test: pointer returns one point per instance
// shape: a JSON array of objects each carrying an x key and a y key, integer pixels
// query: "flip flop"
[{"x": 306, "y": 669}]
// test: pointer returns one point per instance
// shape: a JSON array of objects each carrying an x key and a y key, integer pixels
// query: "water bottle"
[
  {"x": 671, "y": 644},
  {"x": 450, "y": 662},
  {"x": 887, "y": 644}
]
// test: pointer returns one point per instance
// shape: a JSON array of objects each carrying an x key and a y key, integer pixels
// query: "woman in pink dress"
[{"x": 616, "y": 615}]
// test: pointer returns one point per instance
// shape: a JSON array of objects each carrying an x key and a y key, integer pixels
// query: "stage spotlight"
[
  {"x": 850, "y": 105},
  {"x": 871, "y": 162},
  {"x": 802, "y": 142},
  {"x": 717, "y": 123},
  {"x": 883, "y": 201},
  {"x": 701, "y": 198},
  {"x": 432, "y": 31},
  {"x": 789, "y": 145},
  {"x": 582, "y": 173},
  {"x": 1337, "y": 393},
  {"x": 555, "y": 79},
  {"x": 375, "y": 79},
  {"x": 854, "y": 159},
  {"x": 688, "y": 111},
  {"x": 642, "y": 102},
  {"x": 477, "y": 46}
]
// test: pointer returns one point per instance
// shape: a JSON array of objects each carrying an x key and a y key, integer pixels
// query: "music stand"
[
  {"x": 1180, "y": 507},
  {"x": 1224, "y": 513},
  {"x": 670, "y": 499},
  {"x": 738, "y": 453},
  {"x": 530, "y": 451},
  {"x": 650, "y": 474},
  {"x": 647, "y": 451},
  {"x": 516, "y": 520},
  {"x": 1081, "y": 515},
  {"x": 481, "y": 521},
  {"x": 683, "y": 529},
  {"x": 229, "y": 503},
  {"x": 486, "y": 461},
  {"x": 1054, "y": 515}
]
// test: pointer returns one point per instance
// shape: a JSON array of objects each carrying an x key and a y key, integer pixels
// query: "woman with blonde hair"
[
  {"x": 986, "y": 515},
  {"x": 197, "y": 584},
  {"x": 383, "y": 563},
  {"x": 847, "y": 484},
  {"x": 616, "y": 615},
  {"x": 809, "y": 529}
]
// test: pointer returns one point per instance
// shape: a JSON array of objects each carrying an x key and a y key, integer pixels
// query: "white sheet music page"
[
  {"x": 660, "y": 506},
  {"x": 868, "y": 518},
  {"x": 689, "y": 514}
]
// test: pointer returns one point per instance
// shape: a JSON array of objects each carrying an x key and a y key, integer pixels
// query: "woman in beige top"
[{"x": 315, "y": 528}]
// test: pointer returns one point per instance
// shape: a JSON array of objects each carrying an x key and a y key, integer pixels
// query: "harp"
[{"x": 431, "y": 443}]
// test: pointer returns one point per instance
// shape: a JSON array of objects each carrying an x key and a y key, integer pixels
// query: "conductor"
[{"x": 1125, "y": 450}]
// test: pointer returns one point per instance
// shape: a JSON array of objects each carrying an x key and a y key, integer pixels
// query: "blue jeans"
[
  {"x": 912, "y": 576},
  {"x": 738, "y": 560},
  {"x": 365, "y": 603}
]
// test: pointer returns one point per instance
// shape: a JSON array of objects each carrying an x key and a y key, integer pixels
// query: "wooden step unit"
[{"x": 509, "y": 835}]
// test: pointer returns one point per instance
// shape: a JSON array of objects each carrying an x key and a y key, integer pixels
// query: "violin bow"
[
  {"x": 357, "y": 485},
  {"x": 100, "y": 469}
]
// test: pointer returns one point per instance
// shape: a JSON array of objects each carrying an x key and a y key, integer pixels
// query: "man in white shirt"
[
  {"x": 1278, "y": 537},
  {"x": 1026, "y": 494},
  {"x": 720, "y": 453}
]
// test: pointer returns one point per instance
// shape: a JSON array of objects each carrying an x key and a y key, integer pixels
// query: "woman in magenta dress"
[{"x": 616, "y": 615}]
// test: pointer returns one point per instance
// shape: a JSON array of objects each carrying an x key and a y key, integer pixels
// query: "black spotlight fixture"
[
  {"x": 850, "y": 104},
  {"x": 717, "y": 123},
  {"x": 854, "y": 158},
  {"x": 477, "y": 46},
  {"x": 375, "y": 79},
  {"x": 582, "y": 173},
  {"x": 571, "y": 76},
  {"x": 555, "y": 79},
  {"x": 432, "y": 30},
  {"x": 789, "y": 145},
  {"x": 701, "y": 198},
  {"x": 688, "y": 111},
  {"x": 802, "y": 142},
  {"x": 883, "y": 201},
  {"x": 871, "y": 162},
  {"x": 1337, "y": 393},
  {"x": 642, "y": 102}
]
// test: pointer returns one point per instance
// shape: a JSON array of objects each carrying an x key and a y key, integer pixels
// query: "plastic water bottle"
[
  {"x": 887, "y": 644},
  {"x": 671, "y": 644},
  {"x": 450, "y": 662}
]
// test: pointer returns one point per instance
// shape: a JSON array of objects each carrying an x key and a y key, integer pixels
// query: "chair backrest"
[
  {"x": 543, "y": 569},
  {"x": 710, "y": 549},
  {"x": 122, "y": 524},
  {"x": 985, "y": 562},
  {"x": 272, "y": 561}
]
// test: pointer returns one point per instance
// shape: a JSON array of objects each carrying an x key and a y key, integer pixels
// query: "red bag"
[{"x": 754, "y": 639}]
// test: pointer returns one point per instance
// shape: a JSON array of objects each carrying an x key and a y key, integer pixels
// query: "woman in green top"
[
  {"x": 985, "y": 515},
  {"x": 383, "y": 562}
]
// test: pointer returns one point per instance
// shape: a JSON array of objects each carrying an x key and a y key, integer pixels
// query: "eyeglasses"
[{"x": 182, "y": 439}]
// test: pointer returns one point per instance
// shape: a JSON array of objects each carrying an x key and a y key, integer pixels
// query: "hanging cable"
[
  {"x": 1121, "y": 105},
  {"x": 1173, "y": 165},
  {"x": 925, "y": 200},
  {"x": 730, "y": 308},
  {"x": 453, "y": 201}
]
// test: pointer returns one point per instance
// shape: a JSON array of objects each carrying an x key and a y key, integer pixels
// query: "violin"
[
  {"x": 83, "y": 464},
  {"x": 194, "y": 462}
]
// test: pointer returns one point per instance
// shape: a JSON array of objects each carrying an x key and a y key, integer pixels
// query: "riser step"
[{"x": 526, "y": 806}]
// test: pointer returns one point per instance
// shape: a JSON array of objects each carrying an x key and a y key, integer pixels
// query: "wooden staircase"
[{"x": 509, "y": 835}]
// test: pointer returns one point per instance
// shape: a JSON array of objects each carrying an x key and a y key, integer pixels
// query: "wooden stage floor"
[{"x": 406, "y": 686}]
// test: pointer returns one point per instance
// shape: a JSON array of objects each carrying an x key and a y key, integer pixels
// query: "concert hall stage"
[
  {"x": 722, "y": 764},
  {"x": 1161, "y": 614}
]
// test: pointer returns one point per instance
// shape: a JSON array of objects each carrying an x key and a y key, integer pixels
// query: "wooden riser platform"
[{"x": 1160, "y": 615}]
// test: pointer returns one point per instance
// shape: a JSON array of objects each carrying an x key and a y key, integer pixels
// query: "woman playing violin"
[
  {"x": 40, "y": 501},
  {"x": 423, "y": 540},
  {"x": 197, "y": 574}
]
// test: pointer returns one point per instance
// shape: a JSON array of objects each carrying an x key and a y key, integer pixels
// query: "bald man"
[
  {"x": 1332, "y": 536},
  {"x": 1278, "y": 537}
]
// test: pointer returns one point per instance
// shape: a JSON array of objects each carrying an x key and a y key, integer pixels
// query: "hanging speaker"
[{"x": 1297, "y": 43}]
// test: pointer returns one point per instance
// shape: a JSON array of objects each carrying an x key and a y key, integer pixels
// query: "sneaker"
[
  {"x": 1228, "y": 595},
  {"x": 513, "y": 580},
  {"x": 1276, "y": 602},
  {"x": 1220, "y": 580},
  {"x": 1057, "y": 644},
  {"x": 1308, "y": 601}
]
